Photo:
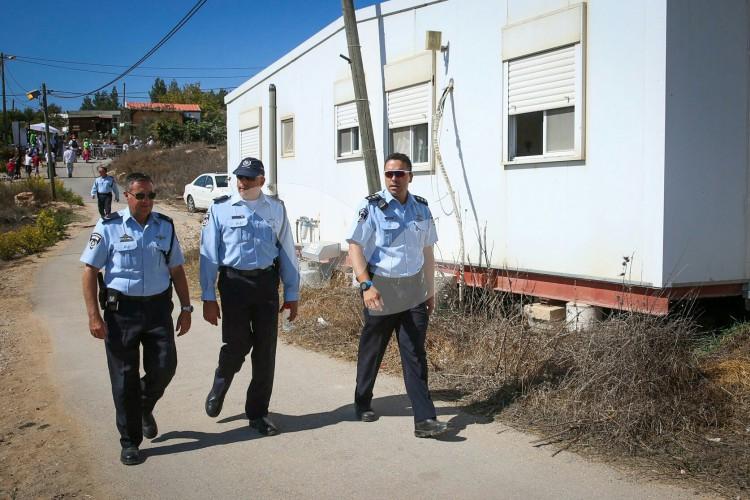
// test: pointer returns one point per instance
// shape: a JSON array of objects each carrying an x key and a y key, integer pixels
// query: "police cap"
[{"x": 250, "y": 167}]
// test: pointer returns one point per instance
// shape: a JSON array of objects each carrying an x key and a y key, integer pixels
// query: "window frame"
[
  {"x": 288, "y": 119},
  {"x": 354, "y": 153},
  {"x": 421, "y": 167},
  {"x": 509, "y": 137}
]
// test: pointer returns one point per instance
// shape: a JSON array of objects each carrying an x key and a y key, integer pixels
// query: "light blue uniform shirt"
[
  {"x": 234, "y": 235},
  {"x": 103, "y": 185},
  {"x": 393, "y": 238},
  {"x": 133, "y": 256}
]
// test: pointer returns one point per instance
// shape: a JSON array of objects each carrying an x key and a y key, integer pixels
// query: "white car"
[{"x": 200, "y": 193}]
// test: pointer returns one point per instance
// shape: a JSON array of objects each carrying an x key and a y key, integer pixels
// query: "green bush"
[{"x": 46, "y": 231}]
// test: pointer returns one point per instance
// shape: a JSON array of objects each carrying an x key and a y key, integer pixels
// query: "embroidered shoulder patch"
[
  {"x": 94, "y": 240},
  {"x": 363, "y": 214},
  {"x": 204, "y": 222}
]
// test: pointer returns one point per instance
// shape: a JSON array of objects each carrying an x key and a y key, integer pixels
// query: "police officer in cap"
[
  {"x": 247, "y": 242},
  {"x": 103, "y": 188},
  {"x": 141, "y": 258},
  {"x": 390, "y": 247}
]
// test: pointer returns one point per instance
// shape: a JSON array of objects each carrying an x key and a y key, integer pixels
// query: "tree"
[
  {"x": 158, "y": 90},
  {"x": 87, "y": 103},
  {"x": 114, "y": 99}
]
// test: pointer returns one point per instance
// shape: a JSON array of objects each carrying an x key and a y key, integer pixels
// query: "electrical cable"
[
  {"x": 148, "y": 54},
  {"x": 131, "y": 74},
  {"x": 213, "y": 68}
]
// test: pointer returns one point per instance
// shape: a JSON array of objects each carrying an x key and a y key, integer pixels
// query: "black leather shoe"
[
  {"x": 214, "y": 402},
  {"x": 264, "y": 425},
  {"x": 148, "y": 424},
  {"x": 366, "y": 415},
  {"x": 429, "y": 428},
  {"x": 130, "y": 456}
]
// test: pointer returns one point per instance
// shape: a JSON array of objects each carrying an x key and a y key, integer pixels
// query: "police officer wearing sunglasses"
[
  {"x": 141, "y": 257},
  {"x": 390, "y": 247},
  {"x": 247, "y": 242}
]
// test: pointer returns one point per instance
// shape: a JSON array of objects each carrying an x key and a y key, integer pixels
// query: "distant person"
[
  {"x": 10, "y": 168},
  {"x": 104, "y": 187},
  {"x": 86, "y": 150},
  {"x": 136, "y": 142},
  {"x": 36, "y": 159},
  {"x": 69, "y": 157},
  {"x": 137, "y": 305},
  {"x": 27, "y": 163},
  {"x": 150, "y": 141}
]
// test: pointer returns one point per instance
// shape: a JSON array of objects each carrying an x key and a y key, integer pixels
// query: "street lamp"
[{"x": 3, "y": 58}]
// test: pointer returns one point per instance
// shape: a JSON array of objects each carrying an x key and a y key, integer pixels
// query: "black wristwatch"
[
  {"x": 187, "y": 309},
  {"x": 365, "y": 285}
]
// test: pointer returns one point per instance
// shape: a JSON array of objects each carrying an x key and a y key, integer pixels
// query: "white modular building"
[{"x": 594, "y": 152}]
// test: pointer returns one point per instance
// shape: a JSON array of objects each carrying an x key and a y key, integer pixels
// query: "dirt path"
[{"x": 41, "y": 449}]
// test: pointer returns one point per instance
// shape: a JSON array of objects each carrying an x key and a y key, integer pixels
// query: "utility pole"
[
  {"x": 5, "y": 123},
  {"x": 50, "y": 153},
  {"x": 360, "y": 94},
  {"x": 123, "y": 94}
]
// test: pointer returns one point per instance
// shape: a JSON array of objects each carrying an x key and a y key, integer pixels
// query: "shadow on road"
[{"x": 389, "y": 406}]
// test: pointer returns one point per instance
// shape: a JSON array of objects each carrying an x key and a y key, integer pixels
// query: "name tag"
[
  {"x": 390, "y": 224},
  {"x": 239, "y": 222},
  {"x": 125, "y": 246}
]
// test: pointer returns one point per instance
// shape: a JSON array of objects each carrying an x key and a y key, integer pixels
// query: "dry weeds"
[{"x": 633, "y": 389}]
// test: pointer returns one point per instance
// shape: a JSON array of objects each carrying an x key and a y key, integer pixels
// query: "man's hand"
[
  {"x": 292, "y": 305},
  {"x": 372, "y": 299},
  {"x": 97, "y": 327},
  {"x": 93, "y": 196},
  {"x": 184, "y": 321},
  {"x": 430, "y": 303},
  {"x": 211, "y": 311}
]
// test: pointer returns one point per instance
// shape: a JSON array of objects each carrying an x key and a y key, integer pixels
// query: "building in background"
[
  {"x": 143, "y": 112},
  {"x": 597, "y": 151}
]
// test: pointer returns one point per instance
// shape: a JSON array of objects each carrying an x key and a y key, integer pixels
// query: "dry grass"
[
  {"x": 172, "y": 168},
  {"x": 634, "y": 388}
]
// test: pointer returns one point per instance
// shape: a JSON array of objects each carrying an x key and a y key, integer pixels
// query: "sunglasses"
[
  {"x": 395, "y": 173},
  {"x": 142, "y": 196},
  {"x": 245, "y": 178}
]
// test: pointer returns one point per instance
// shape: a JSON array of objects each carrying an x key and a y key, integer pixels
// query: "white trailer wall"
[
  {"x": 576, "y": 218},
  {"x": 706, "y": 187}
]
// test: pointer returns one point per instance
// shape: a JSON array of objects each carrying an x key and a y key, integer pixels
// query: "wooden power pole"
[
  {"x": 50, "y": 153},
  {"x": 360, "y": 94}
]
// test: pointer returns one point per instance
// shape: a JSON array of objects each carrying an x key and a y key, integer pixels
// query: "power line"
[
  {"x": 131, "y": 74},
  {"x": 156, "y": 47},
  {"x": 30, "y": 59}
]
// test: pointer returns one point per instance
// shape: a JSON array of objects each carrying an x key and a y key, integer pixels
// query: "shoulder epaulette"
[
  {"x": 222, "y": 199},
  {"x": 420, "y": 199},
  {"x": 162, "y": 216},
  {"x": 111, "y": 217},
  {"x": 376, "y": 198}
]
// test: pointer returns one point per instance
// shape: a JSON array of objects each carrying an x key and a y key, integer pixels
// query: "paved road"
[{"x": 321, "y": 453}]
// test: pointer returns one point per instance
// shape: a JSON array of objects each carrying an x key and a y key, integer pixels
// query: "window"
[
  {"x": 221, "y": 181},
  {"x": 250, "y": 143},
  {"x": 409, "y": 118},
  {"x": 347, "y": 131},
  {"x": 287, "y": 137},
  {"x": 201, "y": 181},
  {"x": 543, "y": 98},
  {"x": 411, "y": 141}
]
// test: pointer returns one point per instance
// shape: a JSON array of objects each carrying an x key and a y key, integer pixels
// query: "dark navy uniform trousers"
[
  {"x": 104, "y": 203},
  {"x": 405, "y": 313},
  {"x": 139, "y": 322},
  {"x": 250, "y": 318}
]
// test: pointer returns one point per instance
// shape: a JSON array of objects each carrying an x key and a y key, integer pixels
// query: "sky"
[{"x": 245, "y": 36}]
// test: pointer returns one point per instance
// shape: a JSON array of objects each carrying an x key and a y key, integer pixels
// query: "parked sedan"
[{"x": 200, "y": 193}]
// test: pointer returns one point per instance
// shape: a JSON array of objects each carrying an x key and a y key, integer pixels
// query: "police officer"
[
  {"x": 247, "y": 241},
  {"x": 390, "y": 247},
  {"x": 102, "y": 189},
  {"x": 141, "y": 258}
]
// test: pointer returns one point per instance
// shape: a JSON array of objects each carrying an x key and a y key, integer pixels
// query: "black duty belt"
[
  {"x": 247, "y": 273},
  {"x": 135, "y": 298}
]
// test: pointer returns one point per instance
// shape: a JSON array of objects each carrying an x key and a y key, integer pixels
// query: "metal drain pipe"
[{"x": 273, "y": 188}]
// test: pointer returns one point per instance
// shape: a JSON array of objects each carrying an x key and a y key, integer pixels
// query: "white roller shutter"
[
  {"x": 409, "y": 106},
  {"x": 542, "y": 81},
  {"x": 250, "y": 143},
  {"x": 346, "y": 116}
]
